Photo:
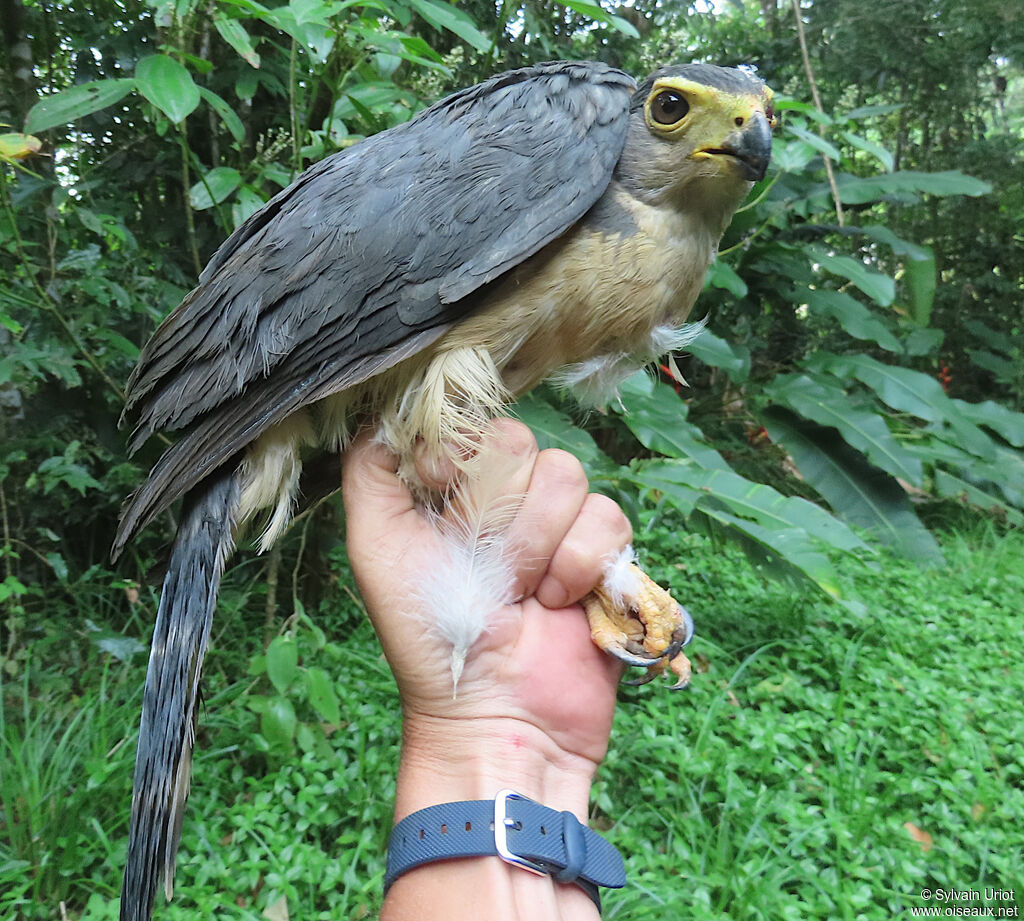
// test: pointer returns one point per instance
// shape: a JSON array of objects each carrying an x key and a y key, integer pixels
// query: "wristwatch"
[{"x": 513, "y": 827}]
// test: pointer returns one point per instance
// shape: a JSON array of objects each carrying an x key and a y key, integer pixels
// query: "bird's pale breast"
[{"x": 599, "y": 299}]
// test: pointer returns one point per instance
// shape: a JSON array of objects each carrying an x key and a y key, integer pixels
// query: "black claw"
[
  {"x": 679, "y": 640},
  {"x": 645, "y": 679},
  {"x": 681, "y": 636},
  {"x": 681, "y": 685},
  {"x": 687, "y": 624},
  {"x": 629, "y": 658}
]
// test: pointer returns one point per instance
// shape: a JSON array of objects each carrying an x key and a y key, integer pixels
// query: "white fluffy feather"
[
  {"x": 620, "y": 579},
  {"x": 475, "y": 584},
  {"x": 595, "y": 382}
]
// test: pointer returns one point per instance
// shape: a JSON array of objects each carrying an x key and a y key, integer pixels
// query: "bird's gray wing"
[{"x": 370, "y": 253}]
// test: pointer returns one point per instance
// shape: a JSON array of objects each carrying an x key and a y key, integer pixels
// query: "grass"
[{"x": 827, "y": 762}]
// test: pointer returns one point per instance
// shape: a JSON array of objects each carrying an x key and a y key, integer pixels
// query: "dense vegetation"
[{"x": 861, "y": 383}]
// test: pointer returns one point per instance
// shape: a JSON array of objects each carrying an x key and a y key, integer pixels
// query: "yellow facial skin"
[{"x": 717, "y": 126}]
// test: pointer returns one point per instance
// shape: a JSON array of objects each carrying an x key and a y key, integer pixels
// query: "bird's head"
[{"x": 699, "y": 134}]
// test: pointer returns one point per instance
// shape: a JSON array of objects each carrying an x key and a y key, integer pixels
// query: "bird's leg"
[{"x": 638, "y": 622}]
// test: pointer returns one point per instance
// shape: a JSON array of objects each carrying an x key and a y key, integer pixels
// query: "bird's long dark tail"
[{"x": 163, "y": 766}]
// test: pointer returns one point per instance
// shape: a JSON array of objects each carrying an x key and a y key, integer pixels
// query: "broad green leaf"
[
  {"x": 785, "y": 553},
  {"x": 366, "y": 98},
  {"x": 214, "y": 187},
  {"x": 554, "y": 429},
  {"x": 655, "y": 413},
  {"x": 227, "y": 115},
  {"x": 322, "y": 695},
  {"x": 856, "y": 190},
  {"x": 880, "y": 288},
  {"x": 953, "y": 487},
  {"x": 121, "y": 647},
  {"x": 15, "y": 146},
  {"x": 923, "y": 340},
  {"x": 317, "y": 39},
  {"x": 864, "y": 430},
  {"x": 396, "y": 47},
  {"x": 307, "y": 23},
  {"x": 64, "y": 107},
  {"x": 1005, "y": 472},
  {"x": 81, "y": 259},
  {"x": 444, "y": 16},
  {"x": 876, "y": 150},
  {"x": 278, "y": 722},
  {"x": 233, "y": 32},
  {"x": 117, "y": 342},
  {"x": 717, "y": 353},
  {"x": 282, "y": 662},
  {"x": 624, "y": 26},
  {"x": 792, "y": 156},
  {"x": 168, "y": 85},
  {"x": 90, "y": 221},
  {"x": 789, "y": 104},
  {"x": 58, "y": 471},
  {"x": 786, "y": 103},
  {"x": 872, "y": 111},
  {"x": 856, "y": 319},
  {"x": 815, "y": 141},
  {"x": 307, "y": 739},
  {"x": 418, "y": 49},
  {"x": 859, "y": 493},
  {"x": 599, "y": 14},
  {"x": 674, "y": 489},
  {"x": 722, "y": 275},
  {"x": 245, "y": 205},
  {"x": 919, "y": 269},
  {"x": 314, "y": 10},
  {"x": 1004, "y": 368},
  {"x": 1002, "y": 420},
  {"x": 12, "y": 588},
  {"x": 911, "y": 392},
  {"x": 993, "y": 338},
  {"x": 791, "y": 528}
]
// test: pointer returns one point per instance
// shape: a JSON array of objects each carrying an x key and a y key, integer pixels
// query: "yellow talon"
[{"x": 644, "y": 627}]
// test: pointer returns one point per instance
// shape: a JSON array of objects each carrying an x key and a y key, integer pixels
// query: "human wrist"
[
  {"x": 448, "y": 760},
  {"x": 454, "y": 760},
  {"x": 445, "y": 760}
]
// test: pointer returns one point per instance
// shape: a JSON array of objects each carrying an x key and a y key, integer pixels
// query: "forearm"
[{"x": 447, "y": 761}]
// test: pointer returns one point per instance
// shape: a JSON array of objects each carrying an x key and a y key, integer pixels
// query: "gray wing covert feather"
[{"x": 370, "y": 249}]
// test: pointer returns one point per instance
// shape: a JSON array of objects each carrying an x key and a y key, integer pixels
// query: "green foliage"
[
  {"x": 791, "y": 779},
  {"x": 64, "y": 781},
  {"x": 310, "y": 687},
  {"x": 873, "y": 364},
  {"x": 781, "y": 784}
]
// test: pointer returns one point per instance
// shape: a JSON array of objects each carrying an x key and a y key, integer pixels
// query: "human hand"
[
  {"x": 535, "y": 670},
  {"x": 535, "y": 701}
]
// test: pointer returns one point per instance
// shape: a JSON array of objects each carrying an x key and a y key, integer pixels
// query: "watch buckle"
[{"x": 502, "y": 822}]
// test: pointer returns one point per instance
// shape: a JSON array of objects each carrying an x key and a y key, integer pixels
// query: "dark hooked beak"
[{"x": 750, "y": 147}]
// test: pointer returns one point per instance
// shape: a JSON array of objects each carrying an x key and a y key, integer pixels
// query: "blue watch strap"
[{"x": 517, "y": 829}]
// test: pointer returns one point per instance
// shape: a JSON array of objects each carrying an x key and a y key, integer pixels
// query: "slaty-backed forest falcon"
[{"x": 553, "y": 220}]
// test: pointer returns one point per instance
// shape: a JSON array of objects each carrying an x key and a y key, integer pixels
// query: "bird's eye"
[{"x": 668, "y": 107}]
